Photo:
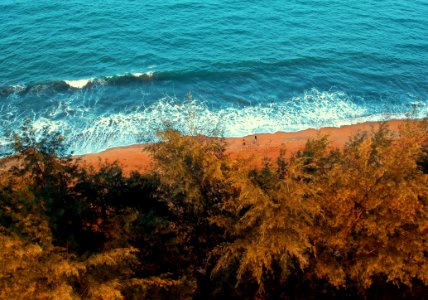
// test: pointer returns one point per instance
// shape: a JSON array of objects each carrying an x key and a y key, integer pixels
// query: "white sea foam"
[
  {"x": 88, "y": 132},
  {"x": 148, "y": 74},
  {"x": 78, "y": 84},
  {"x": 18, "y": 87},
  {"x": 81, "y": 83},
  {"x": 313, "y": 110},
  {"x": 41, "y": 123}
]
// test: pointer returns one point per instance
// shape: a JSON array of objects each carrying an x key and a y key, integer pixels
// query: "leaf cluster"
[{"x": 349, "y": 222}]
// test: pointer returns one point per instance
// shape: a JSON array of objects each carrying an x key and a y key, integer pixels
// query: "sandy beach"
[{"x": 255, "y": 147}]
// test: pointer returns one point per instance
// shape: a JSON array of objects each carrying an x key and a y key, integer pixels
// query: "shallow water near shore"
[{"x": 111, "y": 73}]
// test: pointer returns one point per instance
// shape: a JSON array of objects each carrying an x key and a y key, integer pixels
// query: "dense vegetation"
[{"x": 349, "y": 222}]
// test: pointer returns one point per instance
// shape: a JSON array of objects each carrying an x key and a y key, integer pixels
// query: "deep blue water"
[{"x": 110, "y": 73}]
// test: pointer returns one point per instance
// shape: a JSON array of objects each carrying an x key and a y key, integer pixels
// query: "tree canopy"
[{"x": 350, "y": 222}]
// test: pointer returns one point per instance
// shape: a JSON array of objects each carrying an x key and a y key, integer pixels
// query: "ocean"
[{"x": 113, "y": 73}]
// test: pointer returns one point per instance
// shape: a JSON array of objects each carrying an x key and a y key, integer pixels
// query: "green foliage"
[
  {"x": 349, "y": 222},
  {"x": 85, "y": 221},
  {"x": 275, "y": 213},
  {"x": 374, "y": 200},
  {"x": 193, "y": 166},
  {"x": 30, "y": 271},
  {"x": 354, "y": 218},
  {"x": 193, "y": 174}
]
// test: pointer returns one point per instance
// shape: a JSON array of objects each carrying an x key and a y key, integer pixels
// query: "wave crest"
[{"x": 86, "y": 131}]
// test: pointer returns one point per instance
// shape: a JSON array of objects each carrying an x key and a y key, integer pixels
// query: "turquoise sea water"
[{"x": 110, "y": 73}]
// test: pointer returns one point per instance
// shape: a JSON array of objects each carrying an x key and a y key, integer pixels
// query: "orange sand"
[{"x": 267, "y": 145}]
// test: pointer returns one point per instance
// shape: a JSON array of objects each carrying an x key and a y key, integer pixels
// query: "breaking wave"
[{"x": 87, "y": 130}]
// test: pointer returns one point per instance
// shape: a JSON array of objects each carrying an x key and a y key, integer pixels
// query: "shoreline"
[{"x": 135, "y": 158}]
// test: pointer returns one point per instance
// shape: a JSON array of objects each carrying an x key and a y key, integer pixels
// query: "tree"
[
  {"x": 270, "y": 222},
  {"x": 374, "y": 203},
  {"x": 79, "y": 227},
  {"x": 193, "y": 173}
]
